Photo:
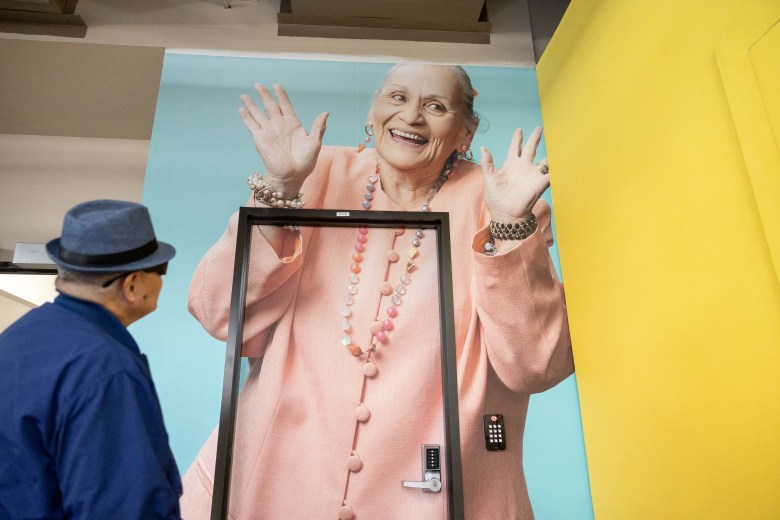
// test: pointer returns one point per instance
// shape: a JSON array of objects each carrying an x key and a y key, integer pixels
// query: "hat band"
[{"x": 107, "y": 260}]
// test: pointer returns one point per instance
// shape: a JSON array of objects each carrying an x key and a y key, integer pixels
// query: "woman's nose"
[{"x": 411, "y": 113}]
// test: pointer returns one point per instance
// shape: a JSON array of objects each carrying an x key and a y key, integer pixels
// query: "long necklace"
[{"x": 381, "y": 327}]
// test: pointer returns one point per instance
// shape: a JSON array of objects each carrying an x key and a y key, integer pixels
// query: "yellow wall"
[{"x": 673, "y": 297}]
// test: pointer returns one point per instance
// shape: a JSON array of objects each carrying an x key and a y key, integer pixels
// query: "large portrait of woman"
[{"x": 333, "y": 423}]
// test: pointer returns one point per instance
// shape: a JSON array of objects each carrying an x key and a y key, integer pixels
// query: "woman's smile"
[{"x": 408, "y": 138}]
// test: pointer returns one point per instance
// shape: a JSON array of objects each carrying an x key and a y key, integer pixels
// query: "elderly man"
[{"x": 81, "y": 430}]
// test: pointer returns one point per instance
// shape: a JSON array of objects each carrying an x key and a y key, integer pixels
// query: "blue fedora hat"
[{"x": 108, "y": 236}]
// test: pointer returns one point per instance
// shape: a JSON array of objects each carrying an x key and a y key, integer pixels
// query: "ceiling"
[
  {"x": 251, "y": 26},
  {"x": 76, "y": 113}
]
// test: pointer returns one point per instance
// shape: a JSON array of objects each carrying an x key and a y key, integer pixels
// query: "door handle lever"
[{"x": 433, "y": 485}]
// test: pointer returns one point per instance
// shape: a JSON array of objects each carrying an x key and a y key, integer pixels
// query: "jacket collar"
[{"x": 101, "y": 317}]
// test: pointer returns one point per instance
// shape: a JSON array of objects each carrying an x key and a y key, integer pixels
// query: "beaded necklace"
[{"x": 381, "y": 327}]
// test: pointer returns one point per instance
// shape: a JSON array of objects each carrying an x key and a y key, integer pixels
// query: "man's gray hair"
[{"x": 81, "y": 278}]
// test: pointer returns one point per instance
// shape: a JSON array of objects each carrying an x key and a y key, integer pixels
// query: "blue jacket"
[{"x": 81, "y": 430}]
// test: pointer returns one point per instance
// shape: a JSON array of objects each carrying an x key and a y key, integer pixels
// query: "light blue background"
[{"x": 199, "y": 160}]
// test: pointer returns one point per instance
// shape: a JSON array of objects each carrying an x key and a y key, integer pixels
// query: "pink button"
[
  {"x": 386, "y": 289},
  {"x": 346, "y": 513},
  {"x": 354, "y": 463},
  {"x": 362, "y": 413},
  {"x": 369, "y": 369}
]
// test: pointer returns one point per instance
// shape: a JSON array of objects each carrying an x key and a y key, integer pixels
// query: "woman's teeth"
[{"x": 406, "y": 136}]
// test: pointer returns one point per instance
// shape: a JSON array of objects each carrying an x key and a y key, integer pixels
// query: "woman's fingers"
[
  {"x": 529, "y": 150},
  {"x": 543, "y": 167},
  {"x": 285, "y": 106},
  {"x": 318, "y": 126},
  {"x": 486, "y": 161},
  {"x": 281, "y": 111},
  {"x": 253, "y": 110},
  {"x": 514, "y": 147},
  {"x": 269, "y": 103},
  {"x": 249, "y": 121}
]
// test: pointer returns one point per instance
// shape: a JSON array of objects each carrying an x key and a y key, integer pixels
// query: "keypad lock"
[
  {"x": 495, "y": 436},
  {"x": 431, "y": 464}
]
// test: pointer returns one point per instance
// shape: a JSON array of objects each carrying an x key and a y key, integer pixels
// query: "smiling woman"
[
  {"x": 345, "y": 330},
  {"x": 418, "y": 119}
]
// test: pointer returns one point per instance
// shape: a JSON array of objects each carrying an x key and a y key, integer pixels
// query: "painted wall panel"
[{"x": 672, "y": 294}]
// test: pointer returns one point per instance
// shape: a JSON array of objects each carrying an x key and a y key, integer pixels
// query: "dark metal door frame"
[{"x": 247, "y": 218}]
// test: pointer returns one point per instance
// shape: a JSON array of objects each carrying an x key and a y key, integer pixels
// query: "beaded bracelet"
[
  {"x": 514, "y": 231},
  {"x": 270, "y": 196}
]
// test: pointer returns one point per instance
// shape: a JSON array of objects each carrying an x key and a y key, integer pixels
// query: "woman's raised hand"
[
  {"x": 512, "y": 190},
  {"x": 288, "y": 151}
]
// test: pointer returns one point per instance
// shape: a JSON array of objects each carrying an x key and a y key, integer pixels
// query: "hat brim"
[{"x": 163, "y": 254}]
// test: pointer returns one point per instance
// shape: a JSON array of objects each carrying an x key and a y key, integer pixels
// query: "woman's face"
[{"x": 418, "y": 118}]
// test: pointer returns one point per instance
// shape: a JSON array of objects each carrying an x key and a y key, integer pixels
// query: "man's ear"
[{"x": 129, "y": 288}]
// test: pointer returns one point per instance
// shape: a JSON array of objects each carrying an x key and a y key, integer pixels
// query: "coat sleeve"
[
  {"x": 522, "y": 311},
  {"x": 273, "y": 278},
  {"x": 271, "y": 286}
]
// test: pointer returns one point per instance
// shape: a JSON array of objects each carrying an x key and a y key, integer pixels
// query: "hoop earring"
[
  {"x": 466, "y": 154},
  {"x": 369, "y": 129}
]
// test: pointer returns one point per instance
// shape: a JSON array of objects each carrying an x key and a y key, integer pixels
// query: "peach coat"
[{"x": 298, "y": 425}]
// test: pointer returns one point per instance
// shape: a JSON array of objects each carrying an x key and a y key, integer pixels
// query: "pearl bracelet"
[
  {"x": 269, "y": 195},
  {"x": 514, "y": 231}
]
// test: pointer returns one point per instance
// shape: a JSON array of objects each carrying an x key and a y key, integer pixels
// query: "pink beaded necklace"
[{"x": 381, "y": 327}]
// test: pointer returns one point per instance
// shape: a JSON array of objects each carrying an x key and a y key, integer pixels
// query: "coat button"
[
  {"x": 362, "y": 413},
  {"x": 346, "y": 513},
  {"x": 369, "y": 369},
  {"x": 354, "y": 463}
]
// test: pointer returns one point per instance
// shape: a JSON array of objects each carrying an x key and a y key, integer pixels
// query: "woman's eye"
[
  {"x": 398, "y": 97},
  {"x": 437, "y": 107}
]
